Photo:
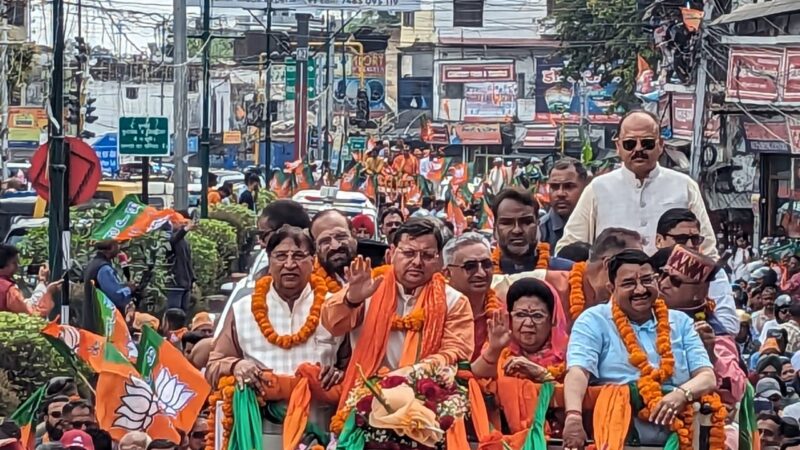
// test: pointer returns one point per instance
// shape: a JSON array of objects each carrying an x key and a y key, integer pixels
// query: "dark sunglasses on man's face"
[
  {"x": 55, "y": 414},
  {"x": 472, "y": 266},
  {"x": 83, "y": 424},
  {"x": 682, "y": 239},
  {"x": 199, "y": 435},
  {"x": 646, "y": 144}
]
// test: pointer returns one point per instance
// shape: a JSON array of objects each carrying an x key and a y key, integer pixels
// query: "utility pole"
[
  {"x": 205, "y": 143},
  {"x": 58, "y": 234},
  {"x": 329, "y": 66},
  {"x": 301, "y": 89},
  {"x": 268, "y": 98},
  {"x": 179, "y": 105},
  {"x": 4, "y": 89},
  {"x": 700, "y": 94}
]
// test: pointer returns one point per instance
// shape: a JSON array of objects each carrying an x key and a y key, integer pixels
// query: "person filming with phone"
[{"x": 635, "y": 195}]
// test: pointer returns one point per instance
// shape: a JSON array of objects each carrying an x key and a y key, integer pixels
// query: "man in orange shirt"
[
  {"x": 11, "y": 298},
  {"x": 214, "y": 197},
  {"x": 406, "y": 163}
]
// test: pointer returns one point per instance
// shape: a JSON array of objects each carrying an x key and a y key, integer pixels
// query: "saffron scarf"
[{"x": 370, "y": 350}]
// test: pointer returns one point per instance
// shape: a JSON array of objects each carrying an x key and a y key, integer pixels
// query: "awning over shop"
[
  {"x": 540, "y": 137},
  {"x": 756, "y": 10}
]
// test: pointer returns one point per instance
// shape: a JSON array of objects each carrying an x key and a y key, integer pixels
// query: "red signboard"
[
  {"x": 766, "y": 136},
  {"x": 540, "y": 138},
  {"x": 793, "y": 123},
  {"x": 682, "y": 115},
  {"x": 474, "y": 73},
  {"x": 84, "y": 171},
  {"x": 754, "y": 76},
  {"x": 791, "y": 84}
]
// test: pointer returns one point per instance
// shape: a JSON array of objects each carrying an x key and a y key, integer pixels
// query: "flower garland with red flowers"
[
  {"x": 331, "y": 283},
  {"x": 261, "y": 314},
  {"x": 542, "y": 249},
  {"x": 577, "y": 298},
  {"x": 651, "y": 378}
]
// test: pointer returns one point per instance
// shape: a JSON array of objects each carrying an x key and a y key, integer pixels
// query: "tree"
[
  {"x": 604, "y": 36},
  {"x": 220, "y": 49}
]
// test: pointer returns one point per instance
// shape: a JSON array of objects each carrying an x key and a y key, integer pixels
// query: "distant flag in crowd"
[
  {"x": 126, "y": 402},
  {"x": 439, "y": 167},
  {"x": 181, "y": 388},
  {"x": 114, "y": 327},
  {"x": 456, "y": 216},
  {"x": 70, "y": 342},
  {"x": 645, "y": 90},
  {"x": 487, "y": 217},
  {"x": 131, "y": 218},
  {"x": 460, "y": 173},
  {"x": 301, "y": 175},
  {"x": 587, "y": 154},
  {"x": 280, "y": 184},
  {"x": 25, "y": 415},
  {"x": 349, "y": 180}
]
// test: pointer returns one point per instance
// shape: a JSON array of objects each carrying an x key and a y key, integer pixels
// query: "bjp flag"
[
  {"x": 181, "y": 388},
  {"x": 280, "y": 184},
  {"x": 114, "y": 327},
  {"x": 456, "y": 216},
  {"x": 126, "y": 402},
  {"x": 25, "y": 415},
  {"x": 71, "y": 341},
  {"x": 349, "y": 178}
]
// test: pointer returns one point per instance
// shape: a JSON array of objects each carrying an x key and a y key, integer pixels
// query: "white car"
[{"x": 242, "y": 288}]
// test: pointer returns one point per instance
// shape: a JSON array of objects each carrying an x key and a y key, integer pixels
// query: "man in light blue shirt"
[{"x": 596, "y": 351}]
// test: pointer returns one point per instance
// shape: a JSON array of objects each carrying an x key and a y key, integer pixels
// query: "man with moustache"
[
  {"x": 637, "y": 194},
  {"x": 53, "y": 422},
  {"x": 468, "y": 266},
  {"x": 336, "y": 247},
  {"x": 567, "y": 180}
]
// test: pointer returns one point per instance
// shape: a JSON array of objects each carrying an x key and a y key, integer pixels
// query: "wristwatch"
[{"x": 687, "y": 393}]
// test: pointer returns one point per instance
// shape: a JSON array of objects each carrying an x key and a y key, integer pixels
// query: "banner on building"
[
  {"x": 793, "y": 124},
  {"x": 540, "y": 137},
  {"x": 475, "y": 134},
  {"x": 766, "y": 135},
  {"x": 477, "y": 72},
  {"x": 757, "y": 76},
  {"x": 682, "y": 116},
  {"x": 372, "y": 68},
  {"x": 489, "y": 102},
  {"x": 559, "y": 99},
  {"x": 25, "y": 127}
]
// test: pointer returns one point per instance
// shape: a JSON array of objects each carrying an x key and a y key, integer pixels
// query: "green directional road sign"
[
  {"x": 291, "y": 79},
  {"x": 143, "y": 136},
  {"x": 357, "y": 143}
]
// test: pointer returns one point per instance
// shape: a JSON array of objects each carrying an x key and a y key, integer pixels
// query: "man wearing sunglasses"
[
  {"x": 679, "y": 226},
  {"x": 637, "y": 194},
  {"x": 468, "y": 265}
]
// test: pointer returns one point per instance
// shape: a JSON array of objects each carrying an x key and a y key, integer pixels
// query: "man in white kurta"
[
  {"x": 638, "y": 193},
  {"x": 243, "y": 350}
]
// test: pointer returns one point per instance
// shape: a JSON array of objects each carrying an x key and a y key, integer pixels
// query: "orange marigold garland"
[
  {"x": 261, "y": 314},
  {"x": 577, "y": 298},
  {"x": 331, "y": 283},
  {"x": 492, "y": 303},
  {"x": 224, "y": 393},
  {"x": 556, "y": 371},
  {"x": 652, "y": 378},
  {"x": 543, "y": 262},
  {"x": 412, "y": 322}
]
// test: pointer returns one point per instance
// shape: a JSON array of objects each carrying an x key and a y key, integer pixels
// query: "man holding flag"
[{"x": 100, "y": 274}]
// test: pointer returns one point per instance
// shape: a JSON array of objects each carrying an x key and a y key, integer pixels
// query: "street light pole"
[{"x": 205, "y": 144}]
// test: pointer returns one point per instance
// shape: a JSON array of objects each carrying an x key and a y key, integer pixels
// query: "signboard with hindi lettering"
[
  {"x": 143, "y": 136},
  {"x": 311, "y": 6}
]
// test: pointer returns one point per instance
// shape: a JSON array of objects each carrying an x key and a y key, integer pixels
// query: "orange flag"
[
  {"x": 150, "y": 219},
  {"x": 126, "y": 402},
  {"x": 349, "y": 179},
  {"x": 460, "y": 174},
  {"x": 87, "y": 346},
  {"x": 456, "y": 216},
  {"x": 114, "y": 326},
  {"x": 180, "y": 388}
]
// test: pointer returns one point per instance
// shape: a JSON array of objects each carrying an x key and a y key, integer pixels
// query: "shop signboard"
[
  {"x": 766, "y": 136},
  {"x": 312, "y": 6},
  {"x": 682, "y": 116},
  {"x": 475, "y": 134},
  {"x": 477, "y": 72},
  {"x": 791, "y": 85},
  {"x": 793, "y": 123},
  {"x": 753, "y": 75},
  {"x": 559, "y": 99},
  {"x": 25, "y": 127}
]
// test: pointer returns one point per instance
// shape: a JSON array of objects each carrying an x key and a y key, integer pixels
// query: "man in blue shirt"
[
  {"x": 100, "y": 274},
  {"x": 596, "y": 351}
]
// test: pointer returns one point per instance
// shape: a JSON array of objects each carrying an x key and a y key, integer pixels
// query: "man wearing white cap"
[{"x": 497, "y": 176}]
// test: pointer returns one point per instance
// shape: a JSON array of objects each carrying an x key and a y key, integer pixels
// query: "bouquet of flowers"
[{"x": 408, "y": 410}]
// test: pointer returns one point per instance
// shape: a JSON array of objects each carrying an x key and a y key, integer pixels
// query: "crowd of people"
[{"x": 617, "y": 294}]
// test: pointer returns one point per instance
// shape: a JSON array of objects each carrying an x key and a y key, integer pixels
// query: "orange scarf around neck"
[{"x": 370, "y": 350}]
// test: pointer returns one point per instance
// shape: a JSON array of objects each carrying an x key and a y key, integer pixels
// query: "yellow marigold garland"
[
  {"x": 543, "y": 249},
  {"x": 261, "y": 314},
  {"x": 224, "y": 392},
  {"x": 577, "y": 298}
]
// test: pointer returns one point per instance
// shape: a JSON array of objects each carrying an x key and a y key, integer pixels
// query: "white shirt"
[
  {"x": 425, "y": 166},
  {"x": 720, "y": 291},
  {"x": 320, "y": 348},
  {"x": 405, "y": 304},
  {"x": 619, "y": 199}
]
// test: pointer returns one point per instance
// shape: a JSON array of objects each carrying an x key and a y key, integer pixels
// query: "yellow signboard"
[
  {"x": 232, "y": 137},
  {"x": 25, "y": 124}
]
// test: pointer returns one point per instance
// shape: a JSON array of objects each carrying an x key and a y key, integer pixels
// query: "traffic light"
[
  {"x": 82, "y": 51},
  {"x": 361, "y": 119},
  {"x": 90, "y": 108},
  {"x": 72, "y": 101},
  {"x": 86, "y": 134}
]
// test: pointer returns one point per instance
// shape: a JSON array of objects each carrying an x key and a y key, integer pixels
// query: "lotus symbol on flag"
[
  {"x": 172, "y": 394},
  {"x": 71, "y": 337},
  {"x": 137, "y": 406}
]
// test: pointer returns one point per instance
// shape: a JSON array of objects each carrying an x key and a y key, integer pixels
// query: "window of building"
[
  {"x": 408, "y": 19},
  {"x": 467, "y": 13}
]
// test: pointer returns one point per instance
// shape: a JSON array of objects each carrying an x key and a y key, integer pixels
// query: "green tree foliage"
[
  {"x": 221, "y": 49},
  {"x": 603, "y": 34}
]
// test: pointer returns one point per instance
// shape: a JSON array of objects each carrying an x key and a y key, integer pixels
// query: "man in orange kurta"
[
  {"x": 407, "y": 314},
  {"x": 406, "y": 164}
]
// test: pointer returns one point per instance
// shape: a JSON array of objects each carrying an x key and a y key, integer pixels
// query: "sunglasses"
[
  {"x": 682, "y": 239},
  {"x": 199, "y": 435},
  {"x": 55, "y": 414},
  {"x": 79, "y": 424},
  {"x": 472, "y": 266},
  {"x": 646, "y": 144}
]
